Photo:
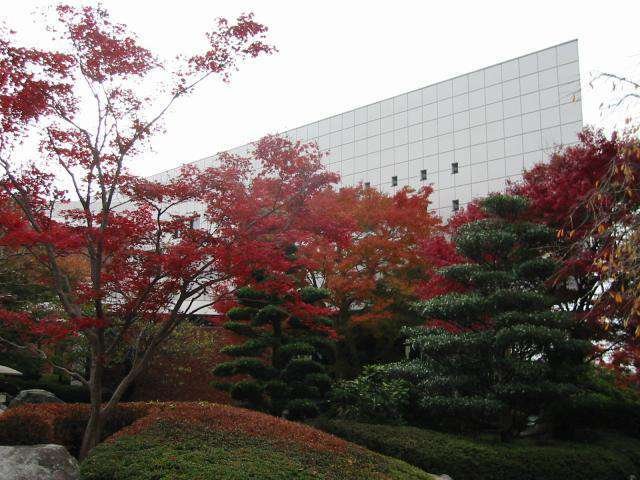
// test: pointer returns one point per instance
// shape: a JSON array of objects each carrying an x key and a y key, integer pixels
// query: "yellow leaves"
[
  {"x": 560, "y": 233},
  {"x": 637, "y": 332},
  {"x": 601, "y": 228}
]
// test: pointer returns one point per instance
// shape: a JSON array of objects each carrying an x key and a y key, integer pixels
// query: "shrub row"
[
  {"x": 61, "y": 423},
  {"x": 611, "y": 457}
]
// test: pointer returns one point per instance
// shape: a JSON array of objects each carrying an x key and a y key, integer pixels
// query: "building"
[{"x": 466, "y": 135}]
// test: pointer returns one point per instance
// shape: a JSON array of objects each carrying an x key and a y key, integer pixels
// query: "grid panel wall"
[{"x": 492, "y": 123}]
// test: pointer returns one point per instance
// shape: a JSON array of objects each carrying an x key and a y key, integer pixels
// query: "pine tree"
[
  {"x": 285, "y": 354},
  {"x": 500, "y": 352}
]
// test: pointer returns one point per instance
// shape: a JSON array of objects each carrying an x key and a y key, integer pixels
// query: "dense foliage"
[
  {"x": 189, "y": 441},
  {"x": 286, "y": 352},
  {"x": 383, "y": 263},
  {"x": 494, "y": 354},
  {"x": 588, "y": 193},
  {"x": 607, "y": 457},
  {"x": 145, "y": 263},
  {"x": 62, "y": 424}
]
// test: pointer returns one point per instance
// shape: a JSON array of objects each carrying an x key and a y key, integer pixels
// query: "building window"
[
  {"x": 423, "y": 175},
  {"x": 455, "y": 205},
  {"x": 454, "y": 167},
  {"x": 394, "y": 181},
  {"x": 367, "y": 184}
]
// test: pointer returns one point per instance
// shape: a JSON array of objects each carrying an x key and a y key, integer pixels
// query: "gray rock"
[
  {"x": 34, "y": 395},
  {"x": 38, "y": 462},
  {"x": 444, "y": 476},
  {"x": 2, "y": 408}
]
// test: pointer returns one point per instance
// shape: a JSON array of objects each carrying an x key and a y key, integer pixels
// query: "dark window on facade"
[
  {"x": 455, "y": 205},
  {"x": 394, "y": 181},
  {"x": 367, "y": 184},
  {"x": 454, "y": 167},
  {"x": 423, "y": 174}
]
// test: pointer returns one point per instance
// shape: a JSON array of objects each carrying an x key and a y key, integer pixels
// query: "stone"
[
  {"x": 38, "y": 462},
  {"x": 442, "y": 477},
  {"x": 34, "y": 395}
]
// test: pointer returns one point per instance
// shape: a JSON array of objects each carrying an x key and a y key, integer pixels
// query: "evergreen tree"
[
  {"x": 500, "y": 352},
  {"x": 286, "y": 352}
]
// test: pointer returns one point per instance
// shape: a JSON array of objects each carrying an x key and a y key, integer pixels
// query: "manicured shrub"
[
  {"x": 608, "y": 457},
  {"x": 189, "y": 441},
  {"x": 299, "y": 368},
  {"x": 19, "y": 426},
  {"x": 301, "y": 408},
  {"x": 247, "y": 391},
  {"x": 594, "y": 411},
  {"x": 61, "y": 423},
  {"x": 286, "y": 350},
  {"x": 372, "y": 396}
]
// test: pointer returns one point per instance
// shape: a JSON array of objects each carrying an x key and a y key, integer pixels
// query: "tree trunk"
[{"x": 93, "y": 430}]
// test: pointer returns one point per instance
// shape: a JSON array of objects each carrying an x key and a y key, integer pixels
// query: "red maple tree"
[
  {"x": 381, "y": 260},
  {"x": 588, "y": 193},
  {"x": 148, "y": 269}
]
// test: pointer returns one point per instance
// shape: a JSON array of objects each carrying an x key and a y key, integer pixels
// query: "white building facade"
[{"x": 466, "y": 135}]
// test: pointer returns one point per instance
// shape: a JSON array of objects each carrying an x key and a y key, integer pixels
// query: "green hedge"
[{"x": 610, "y": 457}]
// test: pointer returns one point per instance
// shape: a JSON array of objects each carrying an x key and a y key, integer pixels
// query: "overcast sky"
[{"x": 337, "y": 55}]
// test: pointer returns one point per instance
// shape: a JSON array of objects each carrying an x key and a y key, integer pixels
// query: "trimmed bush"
[
  {"x": 594, "y": 411},
  {"x": 301, "y": 408},
  {"x": 61, "y": 423},
  {"x": 190, "y": 441},
  {"x": 610, "y": 457}
]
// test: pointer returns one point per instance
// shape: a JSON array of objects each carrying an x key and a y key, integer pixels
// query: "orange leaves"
[{"x": 381, "y": 260}]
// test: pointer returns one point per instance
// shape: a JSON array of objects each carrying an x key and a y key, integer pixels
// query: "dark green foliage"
[
  {"x": 240, "y": 313},
  {"x": 605, "y": 457},
  {"x": 29, "y": 365},
  {"x": 253, "y": 346},
  {"x": 240, "y": 328},
  {"x": 65, "y": 392},
  {"x": 376, "y": 395},
  {"x": 245, "y": 366},
  {"x": 285, "y": 358},
  {"x": 289, "y": 351},
  {"x": 301, "y": 408},
  {"x": 571, "y": 417},
  {"x": 313, "y": 294},
  {"x": 497, "y": 354},
  {"x": 299, "y": 368},
  {"x": 269, "y": 314},
  {"x": 505, "y": 206},
  {"x": 247, "y": 391}
]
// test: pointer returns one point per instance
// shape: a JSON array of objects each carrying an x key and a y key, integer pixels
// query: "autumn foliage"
[
  {"x": 147, "y": 268},
  {"x": 589, "y": 194}
]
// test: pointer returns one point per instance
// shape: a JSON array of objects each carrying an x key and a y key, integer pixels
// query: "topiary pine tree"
[
  {"x": 500, "y": 352},
  {"x": 286, "y": 352}
]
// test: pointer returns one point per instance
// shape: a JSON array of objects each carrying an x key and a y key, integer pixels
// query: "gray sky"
[{"x": 337, "y": 55}]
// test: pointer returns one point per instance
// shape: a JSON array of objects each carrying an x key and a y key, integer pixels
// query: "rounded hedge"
[
  {"x": 189, "y": 441},
  {"x": 607, "y": 457}
]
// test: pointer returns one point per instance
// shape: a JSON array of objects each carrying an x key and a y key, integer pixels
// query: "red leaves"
[
  {"x": 105, "y": 49},
  {"x": 230, "y": 43},
  {"x": 372, "y": 256}
]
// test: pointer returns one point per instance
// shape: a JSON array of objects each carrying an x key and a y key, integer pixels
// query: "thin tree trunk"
[{"x": 93, "y": 430}]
